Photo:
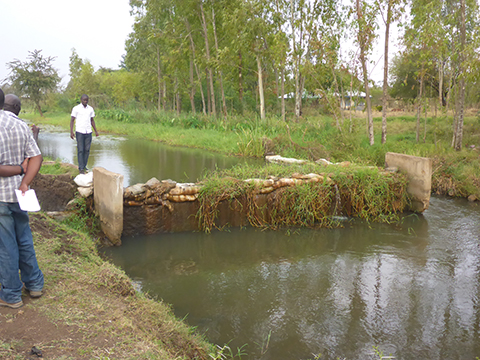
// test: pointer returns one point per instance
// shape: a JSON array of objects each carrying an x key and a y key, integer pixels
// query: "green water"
[
  {"x": 139, "y": 160},
  {"x": 411, "y": 289}
]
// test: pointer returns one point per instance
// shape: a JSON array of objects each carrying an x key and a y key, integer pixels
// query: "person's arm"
[
  {"x": 34, "y": 164},
  {"x": 11, "y": 170},
  {"x": 92, "y": 121},
  {"x": 72, "y": 121}
]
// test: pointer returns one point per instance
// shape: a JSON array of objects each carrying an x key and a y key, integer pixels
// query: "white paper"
[{"x": 29, "y": 201}]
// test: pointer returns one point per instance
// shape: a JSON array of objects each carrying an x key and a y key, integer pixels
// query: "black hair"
[{"x": 2, "y": 99}]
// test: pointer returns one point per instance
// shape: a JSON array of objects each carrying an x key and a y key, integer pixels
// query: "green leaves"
[{"x": 35, "y": 77}]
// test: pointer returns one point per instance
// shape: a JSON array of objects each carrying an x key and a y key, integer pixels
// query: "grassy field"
[{"x": 456, "y": 173}]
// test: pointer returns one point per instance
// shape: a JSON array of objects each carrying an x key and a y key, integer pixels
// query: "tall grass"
[{"x": 309, "y": 138}]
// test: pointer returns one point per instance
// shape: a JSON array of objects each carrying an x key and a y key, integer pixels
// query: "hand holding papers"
[{"x": 29, "y": 201}]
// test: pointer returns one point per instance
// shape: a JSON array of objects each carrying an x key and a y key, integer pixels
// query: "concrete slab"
[
  {"x": 419, "y": 174},
  {"x": 108, "y": 200}
]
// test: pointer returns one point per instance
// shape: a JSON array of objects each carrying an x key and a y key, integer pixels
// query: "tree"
[
  {"x": 392, "y": 14},
  {"x": 35, "y": 77},
  {"x": 365, "y": 36}
]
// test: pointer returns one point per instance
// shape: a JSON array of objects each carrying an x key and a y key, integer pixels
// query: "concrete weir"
[{"x": 167, "y": 206}]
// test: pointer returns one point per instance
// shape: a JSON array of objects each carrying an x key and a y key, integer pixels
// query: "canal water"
[
  {"x": 138, "y": 160},
  {"x": 409, "y": 290}
]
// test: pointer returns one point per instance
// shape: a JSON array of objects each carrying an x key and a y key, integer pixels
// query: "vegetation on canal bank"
[
  {"x": 363, "y": 192},
  {"x": 90, "y": 309},
  {"x": 455, "y": 173}
]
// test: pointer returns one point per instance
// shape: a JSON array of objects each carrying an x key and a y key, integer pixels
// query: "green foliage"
[
  {"x": 82, "y": 219},
  {"x": 34, "y": 78},
  {"x": 115, "y": 114},
  {"x": 355, "y": 191}
]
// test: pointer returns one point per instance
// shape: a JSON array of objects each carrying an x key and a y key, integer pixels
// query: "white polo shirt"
[{"x": 83, "y": 117}]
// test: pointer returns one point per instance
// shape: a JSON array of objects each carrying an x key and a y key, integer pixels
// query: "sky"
[{"x": 97, "y": 29}]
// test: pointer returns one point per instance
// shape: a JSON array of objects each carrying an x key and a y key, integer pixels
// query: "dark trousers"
[{"x": 83, "y": 149}]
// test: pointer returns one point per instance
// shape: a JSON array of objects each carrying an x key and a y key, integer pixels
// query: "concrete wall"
[
  {"x": 108, "y": 200},
  {"x": 419, "y": 173}
]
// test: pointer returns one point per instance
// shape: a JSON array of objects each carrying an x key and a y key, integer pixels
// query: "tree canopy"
[{"x": 34, "y": 77}]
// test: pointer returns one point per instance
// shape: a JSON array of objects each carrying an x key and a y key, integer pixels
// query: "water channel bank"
[{"x": 312, "y": 200}]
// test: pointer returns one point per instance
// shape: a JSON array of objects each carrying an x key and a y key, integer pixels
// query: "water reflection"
[
  {"x": 138, "y": 160},
  {"x": 411, "y": 289}
]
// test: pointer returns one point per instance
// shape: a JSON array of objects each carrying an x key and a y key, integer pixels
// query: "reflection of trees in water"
[{"x": 411, "y": 289}]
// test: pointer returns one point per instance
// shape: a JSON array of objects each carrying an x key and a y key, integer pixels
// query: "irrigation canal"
[{"x": 412, "y": 289}]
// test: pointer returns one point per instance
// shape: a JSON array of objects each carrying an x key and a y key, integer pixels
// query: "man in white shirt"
[{"x": 82, "y": 116}]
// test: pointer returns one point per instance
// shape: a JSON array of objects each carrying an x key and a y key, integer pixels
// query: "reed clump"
[{"x": 312, "y": 200}]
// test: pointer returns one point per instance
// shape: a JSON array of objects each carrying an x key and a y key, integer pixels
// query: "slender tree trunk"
[
  {"x": 209, "y": 98},
  {"x": 425, "y": 107},
  {"x": 160, "y": 104},
  {"x": 192, "y": 45},
  {"x": 298, "y": 91},
  {"x": 209, "y": 70},
  {"x": 282, "y": 74},
  {"x": 385, "y": 73},
  {"x": 419, "y": 106},
  {"x": 224, "y": 103},
  {"x": 440, "y": 84},
  {"x": 240, "y": 80},
  {"x": 340, "y": 99},
  {"x": 461, "y": 84},
  {"x": 39, "y": 108},
  {"x": 177, "y": 97},
  {"x": 363, "y": 61},
  {"x": 192, "y": 88},
  {"x": 260, "y": 88}
]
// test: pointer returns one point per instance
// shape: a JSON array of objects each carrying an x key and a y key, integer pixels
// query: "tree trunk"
[
  {"x": 240, "y": 80},
  {"x": 461, "y": 84},
  {"x": 282, "y": 74},
  {"x": 440, "y": 85},
  {"x": 363, "y": 61},
  {"x": 209, "y": 70},
  {"x": 419, "y": 105},
  {"x": 297, "y": 74},
  {"x": 159, "y": 80},
  {"x": 260, "y": 88},
  {"x": 385, "y": 73},
  {"x": 39, "y": 108},
  {"x": 192, "y": 88},
  {"x": 224, "y": 104},
  {"x": 340, "y": 99},
  {"x": 192, "y": 45}
]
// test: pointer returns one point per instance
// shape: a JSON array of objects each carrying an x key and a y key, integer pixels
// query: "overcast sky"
[{"x": 97, "y": 29}]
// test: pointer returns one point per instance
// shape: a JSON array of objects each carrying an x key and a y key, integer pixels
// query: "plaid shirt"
[{"x": 16, "y": 144}]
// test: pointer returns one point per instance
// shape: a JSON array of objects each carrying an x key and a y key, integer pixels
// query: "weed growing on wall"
[{"x": 366, "y": 193}]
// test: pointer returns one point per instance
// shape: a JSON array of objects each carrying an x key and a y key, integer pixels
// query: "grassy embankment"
[
  {"x": 456, "y": 173},
  {"x": 90, "y": 309}
]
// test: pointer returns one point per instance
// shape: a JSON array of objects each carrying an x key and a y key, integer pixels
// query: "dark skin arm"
[
  {"x": 34, "y": 165},
  {"x": 72, "y": 121},
  {"x": 93, "y": 126},
  {"x": 12, "y": 170}
]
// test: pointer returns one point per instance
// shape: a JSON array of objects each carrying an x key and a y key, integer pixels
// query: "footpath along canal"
[{"x": 409, "y": 289}]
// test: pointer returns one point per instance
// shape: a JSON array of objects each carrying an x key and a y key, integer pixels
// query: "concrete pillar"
[
  {"x": 108, "y": 199},
  {"x": 419, "y": 174}
]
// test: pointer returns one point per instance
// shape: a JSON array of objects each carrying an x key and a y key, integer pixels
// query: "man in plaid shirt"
[{"x": 16, "y": 243}]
